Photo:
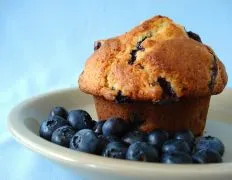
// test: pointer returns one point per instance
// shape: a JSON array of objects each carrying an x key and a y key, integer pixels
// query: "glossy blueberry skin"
[
  {"x": 47, "y": 127},
  {"x": 114, "y": 127},
  {"x": 206, "y": 156},
  {"x": 186, "y": 135},
  {"x": 157, "y": 138},
  {"x": 115, "y": 149},
  {"x": 210, "y": 142},
  {"x": 141, "y": 151},
  {"x": 174, "y": 145},
  {"x": 176, "y": 158},
  {"x": 58, "y": 111},
  {"x": 85, "y": 140},
  {"x": 134, "y": 136},
  {"x": 63, "y": 135},
  {"x": 97, "y": 128},
  {"x": 80, "y": 119}
]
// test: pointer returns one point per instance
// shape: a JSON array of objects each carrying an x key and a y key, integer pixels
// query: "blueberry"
[
  {"x": 114, "y": 127},
  {"x": 92, "y": 124},
  {"x": 85, "y": 140},
  {"x": 115, "y": 149},
  {"x": 58, "y": 111},
  {"x": 97, "y": 128},
  {"x": 206, "y": 156},
  {"x": 194, "y": 36},
  {"x": 63, "y": 135},
  {"x": 176, "y": 158},
  {"x": 186, "y": 135},
  {"x": 174, "y": 145},
  {"x": 210, "y": 142},
  {"x": 103, "y": 141},
  {"x": 103, "y": 138},
  {"x": 134, "y": 136},
  {"x": 97, "y": 45},
  {"x": 141, "y": 151},
  {"x": 112, "y": 138},
  {"x": 157, "y": 138},
  {"x": 80, "y": 119},
  {"x": 49, "y": 126}
]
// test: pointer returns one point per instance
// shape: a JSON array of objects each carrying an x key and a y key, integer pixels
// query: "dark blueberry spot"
[
  {"x": 80, "y": 119},
  {"x": 97, "y": 45},
  {"x": 115, "y": 150},
  {"x": 120, "y": 99},
  {"x": 49, "y": 126},
  {"x": 168, "y": 92},
  {"x": 114, "y": 127},
  {"x": 139, "y": 47},
  {"x": 186, "y": 135},
  {"x": 141, "y": 151},
  {"x": 85, "y": 140},
  {"x": 176, "y": 158},
  {"x": 194, "y": 36},
  {"x": 174, "y": 145},
  {"x": 134, "y": 136},
  {"x": 211, "y": 143},
  {"x": 206, "y": 156},
  {"x": 58, "y": 111},
  {"x": 63, "y": 135},
  {"x": 133, "y": 56},
  {"x": 157, "y": 138}
]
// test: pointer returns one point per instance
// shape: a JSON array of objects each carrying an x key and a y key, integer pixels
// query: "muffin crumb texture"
[{"x": 155, "y": 61}]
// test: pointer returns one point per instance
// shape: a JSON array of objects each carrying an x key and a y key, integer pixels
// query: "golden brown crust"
[{"x": 153, "y": 61}]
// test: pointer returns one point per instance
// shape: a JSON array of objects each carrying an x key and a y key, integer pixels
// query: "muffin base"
[{"x": 185, "y": 114}]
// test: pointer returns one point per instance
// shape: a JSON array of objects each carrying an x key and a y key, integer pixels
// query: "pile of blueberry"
[{"x": 120, "y": 139}]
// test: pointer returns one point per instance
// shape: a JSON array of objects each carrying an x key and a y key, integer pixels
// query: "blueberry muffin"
[{"x": 158, "y": 72}]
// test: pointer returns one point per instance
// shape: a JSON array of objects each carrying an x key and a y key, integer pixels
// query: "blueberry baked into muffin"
[{"x": 158, "y": 73}]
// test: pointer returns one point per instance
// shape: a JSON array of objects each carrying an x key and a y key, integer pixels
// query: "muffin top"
[{"x": 157, "y": 60}]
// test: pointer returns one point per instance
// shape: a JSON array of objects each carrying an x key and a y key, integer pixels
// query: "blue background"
[{"x": 44, "y": 44}]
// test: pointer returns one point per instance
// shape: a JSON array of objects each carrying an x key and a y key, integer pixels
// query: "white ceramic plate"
[{"x": 24, "y": 121}]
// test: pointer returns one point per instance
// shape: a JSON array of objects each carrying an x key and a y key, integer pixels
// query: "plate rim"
[{"x": 79, "y": 159}]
